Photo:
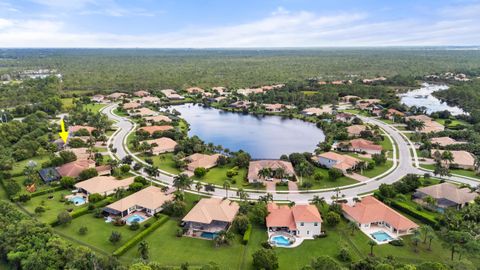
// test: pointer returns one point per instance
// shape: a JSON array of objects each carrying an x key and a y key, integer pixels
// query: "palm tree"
[
  {"x": 143, "y": 249},
  {"x": 318, "y": 201},
  {"x": 447, "y": 157},
  {"x": 223, "y": 237},
  {"x": 279, "y": 173},
  {"x": 425, "y": 230},
  {"x": 263, "y": 173},
  {"x": 182, "y": 181},
  {"x": 226, "y": 186},
  {"x": 415, "y": 240},
  {"x": 353, "y": 227},
  {"x": 371, "y": 243},
  {"x": 266, "y": 198},
  {"x": 198, "y": 186},
  {"x": 242, "y": 194},
  {"x": 302, "y": 169}
]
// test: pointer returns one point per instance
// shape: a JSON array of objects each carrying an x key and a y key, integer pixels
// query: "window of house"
[
  {"x": 301, "y": 223},
  {"x": 315, "y": 224}
]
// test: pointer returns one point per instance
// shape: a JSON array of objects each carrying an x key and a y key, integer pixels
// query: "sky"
[{"x": 238, "y": 24}]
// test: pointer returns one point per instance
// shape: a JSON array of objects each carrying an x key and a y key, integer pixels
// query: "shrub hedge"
[
  {"x": 246, "y": 235},
  {"x": 137, "y": 238},
  {"x": 41, "y": 192}
]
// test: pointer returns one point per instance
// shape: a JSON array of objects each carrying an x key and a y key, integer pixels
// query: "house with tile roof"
[
  {"x": 153, "y": 129},
  {"x": 444, "y": 141},
  {"x": 162, "y": 145},
  {"x": 77, "y": 128},
  {"x": 74, "y": 168},
  {"x": 149, "y": 99},
  {"x": 210, "y": 216},
  {"x": 430, "y": 124},
  {"x": 116, "y": 95},
  {"x": 172, "y": 94},
  {"x": 158, "y": 118},
  {"x": 142, "y": 112},
  {"x": 446, "y": 195},
  {"x": 149, "y": 200},
  {"x": 371, "y": 215},
  {"x": 300, "y": 220},
  {"x": 344, "y": 117},
  {"x": 103, "y": 185},
  {"x": 355, "y": 130},
  {"x": 255, "y": 166},
  {"x": 315, "y": 111},
  {"x": 461, "y": 159},
  {"x": 360, "y": 146},
  {"x": 141, "y": 93},
  {"x": 194, "y": 90},
  {"x": 131, "y": 105},
  {"x": 330, "y": 160},
  {"x": 201, "y": 160}
]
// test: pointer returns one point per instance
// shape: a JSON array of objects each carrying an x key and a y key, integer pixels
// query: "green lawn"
[
  {"x": 120, "y": 113},
  {"x": 170, "y": 250},
  {"x": 19, "y": 166},
  {"x": 98, "y": 232},
  {"x": 93, "y": 107},
  {"x": 455, "y": 122},
  {"x": 378, "y": 169},
  {"x": 218, "y": 175},
  {"x": 163, "y": 161},
  {"x": 453, "y": 171},
  {"x": 326, "y": 182},
  {"x": 67, "y": 103},
  {"x": 52, "y": 206}
]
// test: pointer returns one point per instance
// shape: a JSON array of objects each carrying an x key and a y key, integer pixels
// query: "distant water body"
[
  {"x": 263, "y": 137},
  {"x": 423, "y": 97}
]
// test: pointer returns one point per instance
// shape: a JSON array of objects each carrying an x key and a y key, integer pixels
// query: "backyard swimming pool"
[
  {"x": 77, "y": 200},
  {"x": 208, "y": 235},
  {"x": 281, "y": 240},
  {"x": 134, "y": 218},
  {"x": 381, "y": 236}
]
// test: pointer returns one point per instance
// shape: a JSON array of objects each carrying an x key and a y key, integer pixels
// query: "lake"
[
  {"x": 263, "y": 137},
  {"x": 423, "y": 97}
]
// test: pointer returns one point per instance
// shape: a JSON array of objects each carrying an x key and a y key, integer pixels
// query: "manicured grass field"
[
  {"x": 170, "y": 250},
  {"x": 218, "y": 175},
  {"x": 379, "y": 169},
  {"x": 98, "y": 231},
  {"x": 163, "y": 161},
  {"x": 326, "y": 182},
  {"x": 453, "y": 171},
  {"x": 52, "y": 206},
  {"x": 67, "y": 104},
  {"x": 19, "y": 166},
  {"x": 94, "y": 107}
]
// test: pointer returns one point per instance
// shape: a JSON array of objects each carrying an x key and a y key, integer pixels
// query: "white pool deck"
[
  {"x": 374, "y": 229},
  {"x": 298, "y": 240}
]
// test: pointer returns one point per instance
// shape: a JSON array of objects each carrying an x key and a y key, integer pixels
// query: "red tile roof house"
[
  {"x": 141, "y": 93},
  {"x": 344, "y": 117},
  {"x": 301, "y": 220},
  {"x": 98, "y": 98},
  {"x": 255, "y": 166},
  {"x": 172, "y": 94},
  {"x": 201, "y": 160},
  {"x": 363, "y": 104},
  {"x": 373, "y": 216},
  {"x": 344, "y": 163},
  {"x": 116, "y": 95},
  {"x": 153, "y": 129},
  {"x": 142, "y": 112},
  {"x": 360, "y": 146},
  {"x": 444, "y": 141},
  {"x": 158, "y": 118},
  {"x": 194, "y": 90},
  {"x": 277, "y": 107},
  {"x": 210, "y": 216},
  {"x": 131, "y": 105},
  {"x": 392, "y": 113},
  {"x": 149, "y": 99},
  {"x": 74, "y": 168}
]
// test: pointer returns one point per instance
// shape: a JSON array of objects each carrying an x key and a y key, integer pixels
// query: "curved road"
[{"x": 404, "y": 165}]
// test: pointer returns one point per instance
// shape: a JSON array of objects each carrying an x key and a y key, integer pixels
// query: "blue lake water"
[
  {"x": 261, "y": 136},
  {"x": 423, "y": 97}
]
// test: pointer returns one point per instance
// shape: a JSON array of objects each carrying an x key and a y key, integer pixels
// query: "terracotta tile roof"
[
  {"x": 194, "y": 90},
  {"x": 73, "y": 129},
  {"x": 150, "y": 197},
  {"x": 392, "y": 112},
  {"x": 74, "y": 168},
  {"x": 149, "y": 99},
  {"x": 131, "y": 105},
  {"x": 255, "y": 166},
  {"x": 450, "y": 192},
  {"x": 141, "y": 93},
  {"x": 365, "y": 144},
  {"x": 284, "y": 216},
  {"x": 116, "y": 95},
  {"x": 462, "y": 158},
  {"x": 80, "y": 153},
  {"x": 143, "y": 112},
  {"x": 201, "y": 160},
  {"x": 164, "y": 144},
  {"x": 104, "y": 184},
  {"x": 355, "y": 130},
  {"x": 152, "y": 129},
  {"x": 158, "y": 118},
  {"x": 444, "y": 141},
  {"x": 318, "y": 111},
  {"x": 343, "y": 162},
  {"x": 212, "y": 209},
  {"x": 372, "y": 210}
]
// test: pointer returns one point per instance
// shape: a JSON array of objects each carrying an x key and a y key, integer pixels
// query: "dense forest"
[
  {"x": 466, "y": 96},
  {"x": 126, "y": 69}
]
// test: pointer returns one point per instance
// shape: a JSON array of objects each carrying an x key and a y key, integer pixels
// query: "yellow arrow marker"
[{"x": 63, "y": 134}]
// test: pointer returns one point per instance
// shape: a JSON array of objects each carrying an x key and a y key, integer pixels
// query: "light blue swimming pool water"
[
  {"x": 381, "y": 236},
  {"x": 208, "y": 235},
  {"x": 77, "y": 200},
  {"x": 281, "y": 240},
  {"x": 136, "y": 218}
]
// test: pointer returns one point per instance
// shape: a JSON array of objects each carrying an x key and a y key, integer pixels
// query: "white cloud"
[{"x": 281, "y": 28}]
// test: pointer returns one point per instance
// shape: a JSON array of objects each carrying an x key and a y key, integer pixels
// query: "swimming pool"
[
  {"x": 134, "y": 218},
  {"x": 281, "y": 240},
  {"x": 208, "y": 235},
  {"x": 381, "y": 236},
  {"x": 77, "y": 200}
]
